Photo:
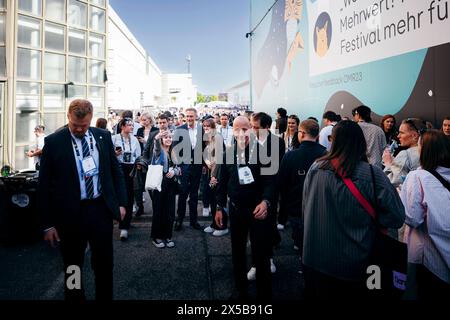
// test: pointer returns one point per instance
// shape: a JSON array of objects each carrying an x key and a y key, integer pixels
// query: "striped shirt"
[
  {"x": 376, "y": 142},
  {"x": 339, "y": 233},
  {"x": 427, "y": 204}
]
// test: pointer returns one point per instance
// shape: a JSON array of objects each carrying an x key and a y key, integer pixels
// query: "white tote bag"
[{"x": 154, "y": 177}]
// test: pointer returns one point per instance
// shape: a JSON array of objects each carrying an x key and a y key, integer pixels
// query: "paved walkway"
[{"x": 198, "y": 268}]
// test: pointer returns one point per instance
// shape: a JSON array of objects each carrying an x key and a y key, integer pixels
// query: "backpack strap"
[{"x": 444, "y": 182}]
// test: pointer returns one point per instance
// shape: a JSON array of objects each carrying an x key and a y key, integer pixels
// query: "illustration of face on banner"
[{"x": 346, "y": 33}]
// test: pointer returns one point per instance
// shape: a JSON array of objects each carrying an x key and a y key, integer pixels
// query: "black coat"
[
  {"x": 292, "y": 174},
  {"x": 59, "y": 187},
  {"x": 264, "y": 187},
  {"x": 181, "y": 142}
]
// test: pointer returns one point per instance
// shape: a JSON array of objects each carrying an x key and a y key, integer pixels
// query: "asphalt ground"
[{"x": 198, "y": 268}]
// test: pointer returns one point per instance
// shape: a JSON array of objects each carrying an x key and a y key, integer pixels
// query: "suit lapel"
[
  {"x": 99, "y": 140},
  {"x": 68, "y": 150}
]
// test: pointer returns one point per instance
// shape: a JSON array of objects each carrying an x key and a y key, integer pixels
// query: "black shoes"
[
  {"x": 196, "y": 226},
  {"x": 140, "y": 211},
  {"x": 178, "y": 226}
]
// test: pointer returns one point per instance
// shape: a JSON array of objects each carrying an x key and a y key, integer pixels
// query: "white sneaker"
[
  {"x": 205, "y": 212},
  {"x": 170, "y": 243},
  {"x": 251, "y": 275},
  {"x": 273, "y": 268},
  {"x": 123, "y": 235},
  {"x": 209, "y": 230},
  {"x": 219, "y": 233},
  {"x": 280, "y": 227},
  {"x": 158, "y": 243}
]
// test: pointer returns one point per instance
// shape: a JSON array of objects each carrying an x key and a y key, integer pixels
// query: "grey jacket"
[{"x": 339, "y": 233}]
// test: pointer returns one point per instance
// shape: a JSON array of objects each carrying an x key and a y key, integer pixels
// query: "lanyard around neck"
[
  {"x": 91, "y": 144},
  {"x": 123, "y": 142}
]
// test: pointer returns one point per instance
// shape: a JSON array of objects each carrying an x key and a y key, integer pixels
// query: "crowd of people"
[{"x": 256, "y": 175}]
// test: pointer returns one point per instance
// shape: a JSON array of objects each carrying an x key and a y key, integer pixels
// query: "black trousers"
[
  {"x": 163, "y": 210},
  {"x": 190, "y": 183},
  {"x": 209, "y": 200},
  {"x": 126, "y": 222},
  {"x": 139, "y": 185},
  {"x": 96, "y": 228},
  {"x": 243, "y": 223},
  {"x": 321, "y": 286},
  {"x": 430, "y": 287}
]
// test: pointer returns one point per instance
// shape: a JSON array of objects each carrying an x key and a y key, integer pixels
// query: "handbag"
[
  {"x": 388, "y": 254},
  {"x": 154, "y": 177}
]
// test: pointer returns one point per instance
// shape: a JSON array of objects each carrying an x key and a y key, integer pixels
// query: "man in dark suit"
[
  {"x": 81, "y": 190},
  {"x": 271, "y": 150},
  {"x": 292, "y": 174},
  {"x": 189, "y": 146},
  {"x": 250, "y": 186}
]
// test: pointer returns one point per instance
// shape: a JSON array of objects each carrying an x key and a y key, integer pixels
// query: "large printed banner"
[{"x": 346, "y": 33}]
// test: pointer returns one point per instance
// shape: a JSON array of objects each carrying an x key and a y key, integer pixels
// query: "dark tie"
[{"x": 87, "y": 180}]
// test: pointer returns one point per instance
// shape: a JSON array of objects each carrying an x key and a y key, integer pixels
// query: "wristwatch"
[{"x": 267, "y": 203}]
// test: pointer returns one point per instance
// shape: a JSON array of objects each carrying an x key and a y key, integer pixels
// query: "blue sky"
[{"x": 211, "y": 31}]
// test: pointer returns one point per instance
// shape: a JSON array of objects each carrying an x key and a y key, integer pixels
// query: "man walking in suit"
[
  {"x": 81, "y": 189},
  {"x": 250, "y": 186},
  {"x": 189, "y": 137}
]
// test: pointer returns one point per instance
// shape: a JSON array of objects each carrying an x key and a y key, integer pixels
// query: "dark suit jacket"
[
  {"x": 244, "y": 196},
  {"x": 148, "y": 148},
  {"x": 59, "y": 187},
  {"x": 182, "y": 133},
  {"x": 292, "y": 174},
  {"x": 141, "y": 133}
]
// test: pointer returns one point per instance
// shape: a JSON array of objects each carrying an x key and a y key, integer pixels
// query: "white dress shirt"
[
  {"x": 193, "y": 135},
  {"x": 227, "y": 135},
  {"x": 95, "y": 155}
]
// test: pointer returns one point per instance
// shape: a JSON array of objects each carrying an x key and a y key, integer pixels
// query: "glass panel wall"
[
  {"x": 77, "y": 42},
  {"x": 29, "y": 32},
  {"x": 54, "y": 121},
  {"x": 33, "y": 7},
  {"x": 77, "y": 14},
  {"x": 2, "y": 45},
  {"x": 55, "y": 10},
  {"x": 28, "y": 96},
  {"x": 96, "y": 72},
  {"x": 54, "y": 36},
  {"x": 97, "y": 46},
  {"x": 55, "y": 65},
  {"x": 97, "y": 20},
  {"x": 54, "y": 96},
  {"x": 77, "y": 70},
  {"x": 28, "y": 64},
  {"x": 60, "y": 56}
]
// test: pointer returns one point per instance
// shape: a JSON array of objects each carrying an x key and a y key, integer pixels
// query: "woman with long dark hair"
[
  {"x": 426, "y": 196},
  {"x": 211, "y": 154},
  {"x": 338, "y": 232}
]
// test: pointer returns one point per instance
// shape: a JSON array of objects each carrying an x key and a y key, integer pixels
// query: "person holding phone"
[{"x": 127, "y": 150}]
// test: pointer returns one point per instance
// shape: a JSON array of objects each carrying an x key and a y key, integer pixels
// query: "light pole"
[{"x": 188, "y": 60}]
